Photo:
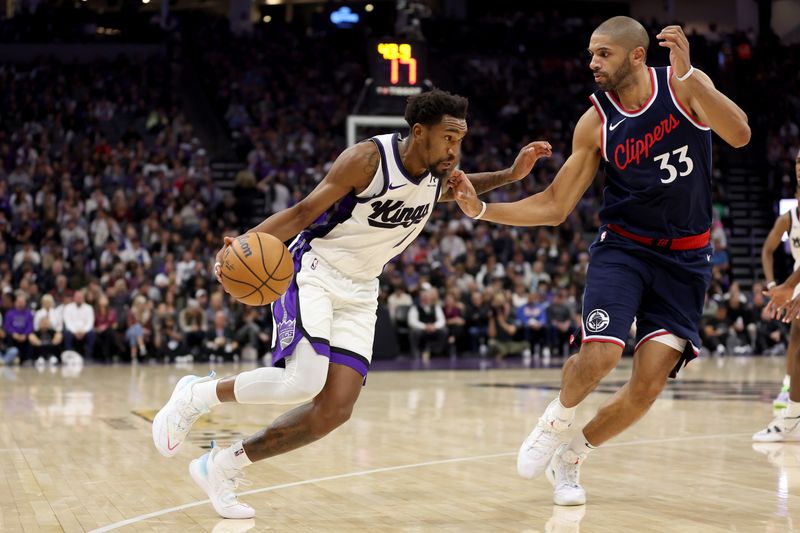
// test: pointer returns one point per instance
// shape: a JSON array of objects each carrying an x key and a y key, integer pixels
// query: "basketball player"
[
  {"x": 785, "y": 303},
  {"x": 651, "y": 127},
  {"x": 786, "y": 223},
  {"x": 372, "y": 204}
]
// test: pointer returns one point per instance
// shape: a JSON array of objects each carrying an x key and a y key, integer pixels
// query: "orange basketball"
[{"x": 256, "y": 269}]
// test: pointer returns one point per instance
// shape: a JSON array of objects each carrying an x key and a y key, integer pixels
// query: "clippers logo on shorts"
[
  {"x": 598, "y": 320},
  {"x": 286, "y": 332},
  {"x": 245, "y": 246},
  {"x": 393, "y": 213}
]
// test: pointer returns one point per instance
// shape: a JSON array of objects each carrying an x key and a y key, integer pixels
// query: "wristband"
[
  {"x": 483, "y": 210},
  {"x": 686, "y": 76},
  {"x": 771, "y": 284}
]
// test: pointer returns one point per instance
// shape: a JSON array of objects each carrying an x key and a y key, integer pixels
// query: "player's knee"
[
  {"x": 305, "y": 387},
  {"x": 597, "y": 359},
  {"x": 646, "y": 392},
  {"x": 331, "y": 415}
]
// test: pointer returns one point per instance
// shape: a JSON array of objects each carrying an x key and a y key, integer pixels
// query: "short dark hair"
[{"x": 428, "y": 108}]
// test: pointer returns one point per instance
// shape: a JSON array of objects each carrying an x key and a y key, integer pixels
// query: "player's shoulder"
[
  {"x": 587, "y": 130},
  {"x": 361, "y": 158}
]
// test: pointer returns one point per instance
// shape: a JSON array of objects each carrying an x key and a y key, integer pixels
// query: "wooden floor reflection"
[{"x": 424, "y": 451}]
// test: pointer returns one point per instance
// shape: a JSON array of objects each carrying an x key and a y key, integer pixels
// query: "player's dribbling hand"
[
  {"x": 464, "y": 193},
  {"x": 227, "y": 241},
  {"x": 528, "y": 156},
  {"x": 781, "y": 306},
  {"x": 672, "y": 37}
]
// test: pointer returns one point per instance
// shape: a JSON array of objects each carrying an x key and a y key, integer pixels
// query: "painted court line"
[{"x": 140, "y": 518}]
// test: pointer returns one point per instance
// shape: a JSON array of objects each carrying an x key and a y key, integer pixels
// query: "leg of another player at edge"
[
  {"x": 652, "y": 365},
  {"x": 793, "y": 363},
  {"x": 793, "y": 371}
]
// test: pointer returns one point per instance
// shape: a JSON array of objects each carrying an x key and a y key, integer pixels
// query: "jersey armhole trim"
[
  {"x": 684, "y": 111},
  {"x": 603, "y": 121},
  {"x": 384, "y": 170}
]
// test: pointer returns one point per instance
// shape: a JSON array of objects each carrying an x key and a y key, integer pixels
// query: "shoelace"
[
  {"x": 188, "y": 414},
  {"x": 547, "y": 434},
  {"x": 229, "y": 486},
  {"x": 571, "y": 474}
]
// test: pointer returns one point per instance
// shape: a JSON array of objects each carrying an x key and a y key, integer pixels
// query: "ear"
[
  {"x": 418, "y": 130},
  {"x": 638, "y": 55}
]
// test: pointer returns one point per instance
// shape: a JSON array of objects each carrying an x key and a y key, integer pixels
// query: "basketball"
[{"x": 256, "y": 269}]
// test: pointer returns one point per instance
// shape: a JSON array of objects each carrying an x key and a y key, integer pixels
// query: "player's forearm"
[
  {"x": 483, "y": 182},
  {"x": 767, "y": 263},
  {"x": 724, "y": 116},
  {"x": 537, "y": 210}
]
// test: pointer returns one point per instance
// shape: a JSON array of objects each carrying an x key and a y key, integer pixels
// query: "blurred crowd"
[{"x": 110, "y": 217}]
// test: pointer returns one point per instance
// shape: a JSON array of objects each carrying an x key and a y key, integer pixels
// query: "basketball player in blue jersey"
[
  {"x": 373, "y": 202},
  {"x": 651, "y": 128}
]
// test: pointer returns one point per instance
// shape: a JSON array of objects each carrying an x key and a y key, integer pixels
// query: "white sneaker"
[
  {"x": 564, "y": 474},
  {"x": 781, "y": 429},
  {"x": 541, "y": 444},
  {"x": 220, "y": 486},
  {"x": 53, "y": 360},
  {"x": 173, "y": 422},
  {"x": 781, "y": 401}
]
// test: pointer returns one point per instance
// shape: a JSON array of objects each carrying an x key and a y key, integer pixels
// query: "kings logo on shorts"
[
  {"x": 394, "y": 213},
  {"x": 286, "y": 332}
]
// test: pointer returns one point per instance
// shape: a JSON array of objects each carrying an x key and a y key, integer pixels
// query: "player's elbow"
[
  {"x": 741, "y": 136},
  {"x": 559, "y": 215}
]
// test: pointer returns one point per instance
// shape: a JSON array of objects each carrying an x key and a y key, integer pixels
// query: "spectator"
[
  {"x": 79, "y": 325},
  {"x": 105, "y": 327},
  {"x": 18, "y": 325},
  {"x": 8, "y": 353},
  {"x": 139, "y": 327},
  {"x": 427, "y": 326},
  {"x": 49, "y": 310},
  {"x": 220, "y": 342},
  {"x": 192, "y": 325},
  {"x": 252, "y": 334},
  {"x": 561, "y": 325},
  {"x": 533, "y": 318},
  {"x": 477, "y": 322},
  {"x": 454, "y": 317},
  {"x": 503, "y": 330},
  {"x": 45, "y": 342}
]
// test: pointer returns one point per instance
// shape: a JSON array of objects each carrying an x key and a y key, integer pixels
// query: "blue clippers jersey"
[{"x": 658, "y": 164}]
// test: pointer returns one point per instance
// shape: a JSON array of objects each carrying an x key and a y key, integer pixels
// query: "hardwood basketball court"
[{"x": 424, "y": 451}]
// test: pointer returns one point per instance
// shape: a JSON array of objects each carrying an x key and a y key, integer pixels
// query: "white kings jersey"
[
  {"x": 361, "y": 233},
  {"x": 794, "y": 236}
]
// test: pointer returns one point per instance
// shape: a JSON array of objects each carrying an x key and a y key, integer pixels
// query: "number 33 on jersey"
[{"x": 658, "y": 163}]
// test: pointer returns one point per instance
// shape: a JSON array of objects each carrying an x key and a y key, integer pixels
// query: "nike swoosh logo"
[
  {"x": 170, "y": 447},
  {"x": 391, "y": 188},
  {"x": 611, "y": 127}
]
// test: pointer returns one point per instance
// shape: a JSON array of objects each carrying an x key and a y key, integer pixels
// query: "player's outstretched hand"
[
  {"x": 227, "y": 241},
  {"x": 464, "y": 193},
  {"x": 781, "y": 306},
  {"x": 528, "y": 156},
  {"x": 672, "y": 37}
]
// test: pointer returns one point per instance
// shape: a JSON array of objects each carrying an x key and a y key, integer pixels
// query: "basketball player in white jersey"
[
  {"x": 374, "y": 201},
  {"x": 786, "y": 425}
]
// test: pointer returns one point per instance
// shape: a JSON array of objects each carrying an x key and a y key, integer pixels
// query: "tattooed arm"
[{"x": 523, "y": 164}]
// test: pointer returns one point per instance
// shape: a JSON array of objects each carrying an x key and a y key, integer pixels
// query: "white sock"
[
  {"x": 580, "y": 447},
  {"x": 792, "y": 410},
  {"x": 233, "y": 457},
  {"x": 207, "y": 393},
  {"x": 564, "y": 413},
  {"x": 787, "y": 380}
]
